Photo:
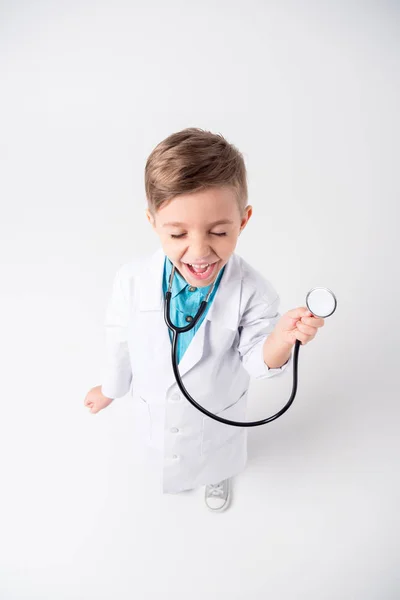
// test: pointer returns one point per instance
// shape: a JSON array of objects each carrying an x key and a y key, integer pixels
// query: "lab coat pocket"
[
  {"x": 142, "y": 417},
  {"x": 216, "y": 434}
]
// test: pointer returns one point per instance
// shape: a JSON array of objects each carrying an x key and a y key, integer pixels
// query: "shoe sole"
[{"x": 223, "y": 507}]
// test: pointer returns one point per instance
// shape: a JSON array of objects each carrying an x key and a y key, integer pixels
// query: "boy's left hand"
[{"x": 297, "y": 324}]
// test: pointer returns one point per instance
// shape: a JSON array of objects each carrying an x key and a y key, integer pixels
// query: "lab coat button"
[
  {"x": 192, "y": 289},
  {"x": 175, "y": 397},
  {"x": 189, "y": 319},
  {"x": 174, "y": 430},
  {"x": 175, "y": 457}
]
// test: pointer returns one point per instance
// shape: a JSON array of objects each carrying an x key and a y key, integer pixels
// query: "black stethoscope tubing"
[{"x": 178, "y": 330}]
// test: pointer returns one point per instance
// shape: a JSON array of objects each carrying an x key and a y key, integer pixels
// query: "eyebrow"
[{"x": 178, "y": 224}]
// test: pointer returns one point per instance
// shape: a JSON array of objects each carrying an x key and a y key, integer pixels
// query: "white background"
[{"x": 309, "y": 92}]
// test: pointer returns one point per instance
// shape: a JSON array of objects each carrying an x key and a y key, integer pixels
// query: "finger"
[
  {"x": 313, "y": 321},
  {"x": 298, "y": 313},
  {"x": 302, "y": 337},
  {"x": 306, "y": 329}
]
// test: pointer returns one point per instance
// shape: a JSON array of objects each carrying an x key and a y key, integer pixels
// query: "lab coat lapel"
[
  {"x": 224, "y": 310},
  {"x": 151, "y": 306}
]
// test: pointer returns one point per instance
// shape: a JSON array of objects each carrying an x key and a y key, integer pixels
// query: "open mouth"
[{"x": 201, "y": 271}]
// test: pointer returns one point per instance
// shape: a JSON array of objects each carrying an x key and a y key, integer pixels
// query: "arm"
[
  {"x": 275, "y": 353},
  {"x": 256, "y": 326}
]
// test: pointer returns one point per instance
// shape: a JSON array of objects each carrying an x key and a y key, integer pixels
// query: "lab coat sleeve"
[
  {"x": 257, "y": 322},
  {"x": 118, "y": 373}
]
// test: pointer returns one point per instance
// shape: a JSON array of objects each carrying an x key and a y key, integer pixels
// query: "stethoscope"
[{"x": 321, "y": 302}]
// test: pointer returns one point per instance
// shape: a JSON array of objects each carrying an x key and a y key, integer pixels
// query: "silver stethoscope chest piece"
[{"x": 321, "y": 302}]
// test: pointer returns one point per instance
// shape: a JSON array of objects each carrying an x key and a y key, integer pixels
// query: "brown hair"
[{"x": 192, "y": 160}]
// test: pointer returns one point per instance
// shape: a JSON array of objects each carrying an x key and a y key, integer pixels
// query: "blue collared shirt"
[{"x": 185, "y": 302}]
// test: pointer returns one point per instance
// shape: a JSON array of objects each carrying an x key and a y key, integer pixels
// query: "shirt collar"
[{"x": 179, "y": 283}]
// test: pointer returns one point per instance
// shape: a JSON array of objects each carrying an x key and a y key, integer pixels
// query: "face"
[{"x": 199, "y": 232}]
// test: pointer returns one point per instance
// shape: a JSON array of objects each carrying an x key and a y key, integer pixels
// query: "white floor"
[{"x": 314, "y": 515}]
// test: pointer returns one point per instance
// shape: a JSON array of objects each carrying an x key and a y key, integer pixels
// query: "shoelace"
[{"x": 216, "y": 489}]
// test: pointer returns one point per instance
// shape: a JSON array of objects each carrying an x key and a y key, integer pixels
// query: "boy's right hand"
[{"x": 96, "y": 400}]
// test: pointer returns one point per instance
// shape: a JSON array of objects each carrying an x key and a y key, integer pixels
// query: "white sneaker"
[{"x": 218, "y": 495}]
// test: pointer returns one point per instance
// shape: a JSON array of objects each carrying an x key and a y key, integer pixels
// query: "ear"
[
  {"x": 150, "y": 218},
  {"x": 245, "y": 219}
]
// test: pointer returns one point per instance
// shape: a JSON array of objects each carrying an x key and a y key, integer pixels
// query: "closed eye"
[{"x": 183, "y": 234}]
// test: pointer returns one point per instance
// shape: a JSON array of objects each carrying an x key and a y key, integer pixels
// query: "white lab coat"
[{"x": 190, "y": 448}]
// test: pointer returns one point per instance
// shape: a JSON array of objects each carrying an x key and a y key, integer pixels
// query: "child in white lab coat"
[{"x": 197, "y": 204}]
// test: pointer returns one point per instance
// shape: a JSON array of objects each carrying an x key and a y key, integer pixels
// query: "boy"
[{"x": 197, "y": 204}]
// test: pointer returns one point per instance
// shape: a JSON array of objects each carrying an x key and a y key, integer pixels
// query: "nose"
[{"x": 200, "y": 250}]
